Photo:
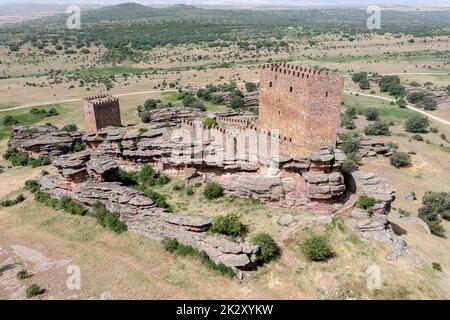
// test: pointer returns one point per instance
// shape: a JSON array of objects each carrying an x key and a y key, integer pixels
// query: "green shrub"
[
  {"x": 378, "y": 128},
  {"x": 209, "y": 122},
  {"x": 229, "y": 225},
  {"x": 400, "y": 159},
  {"x": 213, "y": 191},
  {"x": 429, "y": 103},
  {"x": 151, "y": 104},
  {"x": 79, "y": 146},
  {"x": 371, "y": 114},
  {"x": 351, "y": 112},
  {"x": 159, "y": 200},
  {"x": 23, "y": 274},
  {"x": 349, "y": 165},
  {"x": 128, "y": 178},
  {"x": 436, "y": 266},
  {"x": 417, "y": 124},
  {"x": 365, "y": 202},
  {"x": 9, "y": 121},
  {"x": 251, "y": 86},
  {"x": 170, "y": 245},
  {"x": 347, "y": 122},
  {"x": 32, "y": 185},
  {"x": 189, "y": 191},
  {"x": 434, "y": 206},
  {"x": 268, "y": 246},
  {"x": 178, "y": 187},
  {"x": 436, "y": 228},
  {"x": 237, "y": 102},
  {"x": 173, "y": 246},
  {"x": 72, "y": 206},
  {"x": 351, "y": 143},
  {"x": 317, "y": 248},
  {"x": 417, "y": 137},
  {"x": 401, "y": 103},
  {"x": 9, "y": 203},
  {"x": 108, "y": 219},
  {"x": 34, "y": 290}
]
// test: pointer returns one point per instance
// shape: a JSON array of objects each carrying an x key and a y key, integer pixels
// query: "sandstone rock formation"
[
  {"x": 43, "y": 141},
  {"x": 315, "y": 183},
  {"x": 141, "y": 215},
  {"x": 374, "y": 225}
]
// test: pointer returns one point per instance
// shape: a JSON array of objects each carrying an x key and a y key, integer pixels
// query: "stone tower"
[
  {"x": 302, "y": 104},
  {"x": 100, "y": 112}
]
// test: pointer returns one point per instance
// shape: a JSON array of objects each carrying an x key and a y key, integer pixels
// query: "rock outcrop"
[
  {"x": 373, "y": 224},
  {"x": 141, "y": 215},
  {"x": 43, "y": 141},
  {"x": 315, "y": 183}
]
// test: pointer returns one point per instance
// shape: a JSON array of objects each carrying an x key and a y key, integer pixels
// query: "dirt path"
[
  {"x": 408, "y": 106},
  {"x": 79, "y": 99}
]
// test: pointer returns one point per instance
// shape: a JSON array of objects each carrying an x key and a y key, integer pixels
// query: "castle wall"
[{"x": 301, "y": 104}]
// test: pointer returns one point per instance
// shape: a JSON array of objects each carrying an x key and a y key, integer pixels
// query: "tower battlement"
[
  {"x": 302, "y": 104},
  {"x": 101, "y": 111}
]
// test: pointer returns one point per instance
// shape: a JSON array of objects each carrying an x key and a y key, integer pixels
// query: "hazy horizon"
[{"x": 246, "y": 3}]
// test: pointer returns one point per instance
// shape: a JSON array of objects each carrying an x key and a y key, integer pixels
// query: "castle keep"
[
  {"x": 302, "y": 104},
  {"x": 101, "y": 112}
]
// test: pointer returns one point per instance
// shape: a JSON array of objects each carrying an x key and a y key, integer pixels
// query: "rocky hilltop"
[{"x": 316, "y": 183}]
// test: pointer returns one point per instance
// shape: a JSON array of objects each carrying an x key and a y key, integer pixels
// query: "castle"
[
  {"x": 301, "y": 104},
  {"x": 101, "y": 112}
]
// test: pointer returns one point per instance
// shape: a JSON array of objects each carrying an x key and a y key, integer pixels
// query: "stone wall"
[{"x": 302, "y": 104}]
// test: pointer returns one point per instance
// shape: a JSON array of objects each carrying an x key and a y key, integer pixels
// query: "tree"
[
  {"x": 9, "y": 120},
  {"x": 434, "y": 206},
  {"x": 429, "y": 103},
  {"x": 70, "y": 127},
  {"x": 359, "y": 76},
  {"x": 251, "y": 86},
  {"x": 416, "y": 97},
  {"x": 204, "y": 94},
  {"x": 400, "y": 159},
  {"x": 391, "y": 84},
  {"x": 417, "y": 124},
  {"x": 150, "y": 104},
  {"x": 237, "y": 102},
  {"x": 378, "y": 128},
  {"x": 401, "y": 102},
  {"x": 371, "y": 114},
  {"x": 347, "y": 122},
  {"x": 351, "y": 112},
  {"x": 364, "y": 85}
]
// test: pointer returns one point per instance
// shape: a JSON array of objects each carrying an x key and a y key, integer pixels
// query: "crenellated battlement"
[
  {"x": 237, "y": 131},
  {"x": 239, "y": 121},
  {"x": 297, "y": 72}
]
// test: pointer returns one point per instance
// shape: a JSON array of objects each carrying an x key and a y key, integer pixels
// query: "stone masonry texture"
[
  {"x": 101, "y": 112},
  {"x": 302, "y": 104}
]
